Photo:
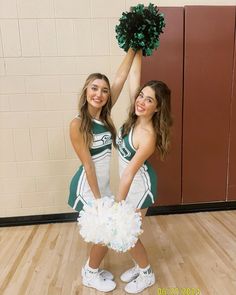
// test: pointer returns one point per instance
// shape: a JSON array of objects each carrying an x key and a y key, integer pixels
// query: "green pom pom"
[{"x": 140, "y": 28}]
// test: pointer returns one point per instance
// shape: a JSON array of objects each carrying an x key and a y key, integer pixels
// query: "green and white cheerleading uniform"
[
  {"x": 80, "y": 191},
  {"x": 143, "y": 190}
]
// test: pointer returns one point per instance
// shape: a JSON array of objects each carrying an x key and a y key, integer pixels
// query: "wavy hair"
[
  {"x": 86, "y": 118},
  {"x": 161, "y": 119}
]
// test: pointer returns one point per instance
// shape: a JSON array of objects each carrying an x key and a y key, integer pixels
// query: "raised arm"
[
  {"x": 135, "y": 75},
  {"x": 121, "y": 75},
  {"x": 83, "y": 153}
]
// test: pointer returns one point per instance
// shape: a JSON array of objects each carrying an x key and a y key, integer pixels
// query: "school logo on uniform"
[
  {"x": 122, "y": 148},
  {"x": 101, "y": 140}
]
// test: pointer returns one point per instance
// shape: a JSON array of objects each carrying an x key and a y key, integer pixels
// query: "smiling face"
[
  {"x": 97, "y": 93},
  {"x": 146, "y": 103}
]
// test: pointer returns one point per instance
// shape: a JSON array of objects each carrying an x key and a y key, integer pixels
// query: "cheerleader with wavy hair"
[
  {"x": 146, "y": 130},
  {"x": 92, "y": 133}
]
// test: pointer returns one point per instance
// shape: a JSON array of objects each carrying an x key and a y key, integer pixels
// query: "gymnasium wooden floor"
[{"x": 190, "y": 254}]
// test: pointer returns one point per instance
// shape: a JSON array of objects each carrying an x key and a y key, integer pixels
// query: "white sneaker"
[
  {"x": 142, "y": 282},
  {"x": 130, "y": 274},
  {"x": 105, "y": 274},
  {"x": 96, "y": 281}
]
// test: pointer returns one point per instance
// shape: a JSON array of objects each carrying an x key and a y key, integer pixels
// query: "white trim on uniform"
[
  {"x": 147, "y": 180},
  {"x": 101, "y": 155},
  {"x": 97, "y": 121},
  {"x": 81, "y": 182},
  {"x": 142, "y": 200},
  {"x": 130, "y": 139}
]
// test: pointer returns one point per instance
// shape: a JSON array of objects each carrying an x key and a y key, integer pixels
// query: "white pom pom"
[
  {"x": 92, "y": 220},
  {"x": 125, "y": 227},
  {"x": 116, "y": 225}
]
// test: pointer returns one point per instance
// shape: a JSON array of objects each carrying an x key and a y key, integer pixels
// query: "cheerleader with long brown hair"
[
  {"x": 146, "y": 130},
  {"x": 92, "y": 133}
]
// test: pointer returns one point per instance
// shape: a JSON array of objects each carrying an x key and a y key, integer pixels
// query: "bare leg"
[
  {"x": 138, "y": 252},
  {"x": 142, "y": 211},
  {"x": 141, "y": 275},
  {"x": 92, "y": 277},
  {"x": 96, "y": 256}
]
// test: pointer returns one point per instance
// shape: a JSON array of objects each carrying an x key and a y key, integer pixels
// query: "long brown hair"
[
  {"x": 161, "y": 119},
  {"x": 105, "y": 116}
]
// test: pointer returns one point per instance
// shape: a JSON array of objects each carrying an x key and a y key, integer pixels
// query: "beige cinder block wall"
[{"x": 47, "y": 49}]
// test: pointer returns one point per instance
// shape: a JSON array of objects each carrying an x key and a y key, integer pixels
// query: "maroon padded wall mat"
[
  {"x": 209, "y": 47},
  {"x": 232, "y": 152},
  {"x": 166, "y": 64}
]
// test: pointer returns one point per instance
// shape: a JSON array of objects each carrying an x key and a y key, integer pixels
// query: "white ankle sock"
[
  {"x": 147, "y": 270},
  {"x": 90, "y": 269}
]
